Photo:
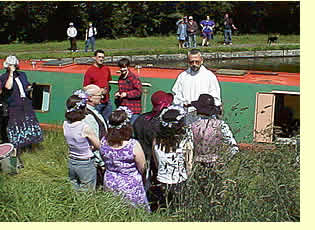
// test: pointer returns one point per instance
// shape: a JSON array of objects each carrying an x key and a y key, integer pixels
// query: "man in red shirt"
[
  {"x": 99, "y": 74},
  {"x": 130, "y": 89}
]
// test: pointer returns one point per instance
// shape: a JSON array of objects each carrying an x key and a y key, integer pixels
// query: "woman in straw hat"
[{"x": 212, "y": 137}]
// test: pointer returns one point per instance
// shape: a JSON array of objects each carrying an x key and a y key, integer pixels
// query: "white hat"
[
  {"x": 10, "y": 60},
  {"x": 71, "y": 24},
  {"x": 190, "y": 17}
]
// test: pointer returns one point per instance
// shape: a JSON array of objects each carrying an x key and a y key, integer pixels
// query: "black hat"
[{"x": 205, "y": 105}]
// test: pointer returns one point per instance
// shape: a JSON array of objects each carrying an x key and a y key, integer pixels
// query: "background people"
[
  {"x": 129, "y": 89},
  {"x": 23, "y": 128},
  {"x": 79, "y": 136},
  {"x": 228, "y": 25},
  {"x": 194, "y": 81},
  {"x": 212, "y": 137},
  {"x": 72, "y": 33},
  {"x": 124, "y": 160},
  {"x": 182, "y": 33},
  {"x": 207, "y": 30},
  {"x": 99, "y": 74},
  {"x": 192, "y": 29},
  {"x": 90, "y": 34},
  {"x": 96, "y": 121}
]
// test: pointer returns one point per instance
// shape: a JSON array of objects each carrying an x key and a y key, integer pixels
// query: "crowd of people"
[
  {"x": 187, "y": 30},
  {"x": 126, "y": 151}
]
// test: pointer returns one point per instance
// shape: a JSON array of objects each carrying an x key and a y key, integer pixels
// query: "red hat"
[{"x": 160, "y": 100}]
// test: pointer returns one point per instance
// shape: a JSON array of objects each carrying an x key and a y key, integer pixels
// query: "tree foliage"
[{"x": 46, "y": 21}]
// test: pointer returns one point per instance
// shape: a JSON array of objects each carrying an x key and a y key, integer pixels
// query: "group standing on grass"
[
  {"x": 145, "y": 158},
  {"x": 187, "y": 30}
]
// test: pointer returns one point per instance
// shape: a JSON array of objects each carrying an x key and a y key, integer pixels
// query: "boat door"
[{"x": 277, "y": 116}]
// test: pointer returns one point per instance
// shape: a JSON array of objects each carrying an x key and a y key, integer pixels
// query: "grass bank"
[
  {"x": 146, "y": 46},
  {"x": 256, "y": 185}
]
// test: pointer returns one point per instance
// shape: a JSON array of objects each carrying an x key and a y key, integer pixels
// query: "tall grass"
[{"x": 256, "y": 185}]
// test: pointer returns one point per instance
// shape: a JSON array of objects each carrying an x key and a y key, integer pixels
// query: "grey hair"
[{"x": 91, "y": 89}]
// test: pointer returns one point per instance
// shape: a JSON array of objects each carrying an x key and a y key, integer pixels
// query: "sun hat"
[
  {"x": 160, "y": 100},
  {"x": 205, "y": 105},
  {"x": 10, "y": 60}
]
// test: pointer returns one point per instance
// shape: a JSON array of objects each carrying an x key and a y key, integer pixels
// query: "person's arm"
[
  {"x": 9, "y": 83},
  {"x": 229, "y": 139},
  {"x": 89, "y": 133},
  {"x": 139, "y": 158},
  {"x": 86, "y": 34},
  {"x": 177, "y": 89},
  {"x": 87, "y": 79},
  {"x": 75, "y": 32},
  {"x": 95, "y": 31}
]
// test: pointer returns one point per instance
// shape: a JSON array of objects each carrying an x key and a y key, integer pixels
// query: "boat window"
[
  {"x": 277, "y": 116},
  {"x": 41, "y": 97}
]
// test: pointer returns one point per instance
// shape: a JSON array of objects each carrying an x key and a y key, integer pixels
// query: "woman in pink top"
[{"x": 79, "y": 137}]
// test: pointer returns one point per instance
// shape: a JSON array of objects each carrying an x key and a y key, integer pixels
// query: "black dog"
[{"x": 272, "y": 39}]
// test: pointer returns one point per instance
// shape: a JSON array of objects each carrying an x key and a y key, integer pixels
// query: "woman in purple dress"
[{"x": 124, "y": 160}]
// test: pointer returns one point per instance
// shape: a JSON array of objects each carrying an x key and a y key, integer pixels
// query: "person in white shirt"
[
  {"x": 72, "y": 33},
  {"x": 194, "y": 81},
  {"x": 90, "y": 34}
]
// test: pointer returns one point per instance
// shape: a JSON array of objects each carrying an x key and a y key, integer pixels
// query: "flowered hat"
[
  {"x": 10, "y": 60},
  {"x": 174, "y": 114}
]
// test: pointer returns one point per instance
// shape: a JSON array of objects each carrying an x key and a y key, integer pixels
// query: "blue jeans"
[
  {"x": 192, "y": 41},
  {"x": 90, "y": 40},
  {"x": 227, "y": 36},
  {"x": 82, "y": 174},
  {"x": 105, "y": 109}
]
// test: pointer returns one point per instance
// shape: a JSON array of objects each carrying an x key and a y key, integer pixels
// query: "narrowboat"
[{"x": 258, "y": 105}]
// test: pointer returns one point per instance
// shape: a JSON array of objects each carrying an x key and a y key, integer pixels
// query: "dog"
[{"x": 272, "y": 39}]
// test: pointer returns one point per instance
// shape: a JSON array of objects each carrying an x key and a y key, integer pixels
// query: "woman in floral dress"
[{"x": 124, "y": 160}]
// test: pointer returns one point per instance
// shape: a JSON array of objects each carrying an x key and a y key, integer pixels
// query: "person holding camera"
[{"x": 23, "y": 128}]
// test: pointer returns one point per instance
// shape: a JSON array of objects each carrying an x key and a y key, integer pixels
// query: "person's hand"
[
  {"x": 123, "y": 94},
  {"x": 12, "y": 68},
  {"x": 117, "y": 94}
]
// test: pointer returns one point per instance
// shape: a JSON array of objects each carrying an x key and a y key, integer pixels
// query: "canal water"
[{"x": 280, "y": 64}]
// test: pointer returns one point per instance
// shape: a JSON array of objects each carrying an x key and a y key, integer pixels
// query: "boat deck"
[{"x": 252, "y": 77}]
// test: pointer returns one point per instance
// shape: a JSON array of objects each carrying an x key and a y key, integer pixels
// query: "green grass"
[
  {"x": 261, "y": 185},
  {"x": 146, "y": 46}
]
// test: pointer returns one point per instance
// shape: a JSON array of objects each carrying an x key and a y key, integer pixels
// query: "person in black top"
[{"x": 228, "y": 25}]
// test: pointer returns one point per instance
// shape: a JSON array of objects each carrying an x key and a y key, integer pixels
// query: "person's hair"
[
  {"x": 98, "y": 51},
  {"x": 169, "y": 138},
  {"x": 116, "y": 136},
  {"x": 194, "y": 52},
  {"x": 91, "y": 89},
  {"x": 124, "y": 62},
  {"x": 77, "y": 115}
]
